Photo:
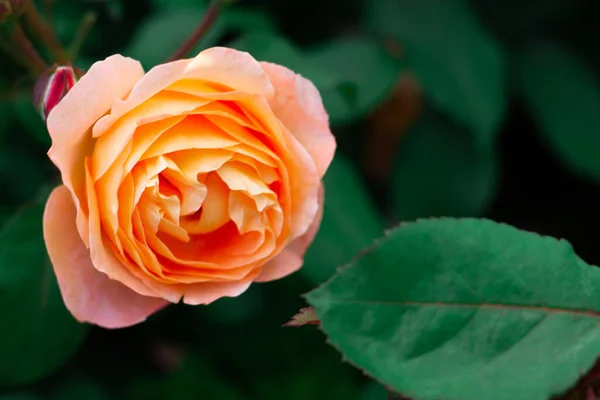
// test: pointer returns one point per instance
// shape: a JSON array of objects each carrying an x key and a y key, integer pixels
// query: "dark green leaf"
[
  {"x": 564, "y": 97},
  {"x": 5, "y": 106},
  {"x": 333, "y": 87},
  {"x": 37, "y": 333},
  {"x": 531, "y": 18},
  {"x": 362, "y": 62},
  {"x": 373, "y": 391},
  {"x": 466, "y": 309},
  {"x": 29, "y": 120},
  {"x": 114, "y": 9},
  {"x": 350, "y": 222},
  {"x": 439, "y": 172},
  {"x": 5, "y": 213},
  {"x": 20, "y": 172},
  {"x": 178, "y": 4},
  {"x": 457, "y": 63},
  {"x": 163, "y": 32}
]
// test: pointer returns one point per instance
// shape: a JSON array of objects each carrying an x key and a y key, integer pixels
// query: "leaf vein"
[{"x": 499, "y": 306}]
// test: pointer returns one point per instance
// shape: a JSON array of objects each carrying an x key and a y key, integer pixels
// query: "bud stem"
[
  {"x": 44, "y": 33},
  {"x": 209, "y": 18},
  {"x": 31, "y": 58},
  {"x": 89, "y": 19},
  {"x": 48, "y": 11}
]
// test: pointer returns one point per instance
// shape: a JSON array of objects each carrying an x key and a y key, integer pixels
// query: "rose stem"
[
  {"x": 209, "y": 17},
  {"x": 87, "y": 22},
  {"x": 44, "y": 33},
  {"x": 48, "y": 11},
  {"x": 32, "y": 59}
]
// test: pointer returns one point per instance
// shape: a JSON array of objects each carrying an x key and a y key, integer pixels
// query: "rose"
[{"x": 188, "y": 182}]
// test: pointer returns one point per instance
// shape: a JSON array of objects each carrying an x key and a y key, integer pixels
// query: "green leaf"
[
  {"x": 5, "y": 213},
  {"x": 37, "y": 333},
  {"x": 465, "y": 309},
  {"x": 20, "y": 172},
  {"x": 350, "y": 222},
  {"x": 163, "y": 32},
  {"x": 362, "y": 62},
  {"x": 5, "y": 106},
  {"x": 460, "y": 67},
  {"x": 333, "y": 87},
  {"x": 181, "y": 4},
  {"x": 373, "y": 391},
  {"x": 532, "y": 17},
  {"x": 28, "y": 119},
  {"x": 563, "y": 96},
  {"x": 438, "y": 172}
]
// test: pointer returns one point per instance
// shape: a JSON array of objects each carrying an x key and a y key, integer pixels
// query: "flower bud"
[
  {"x": 10, "y": 8},
  {"x": 5, "y": 10},
  {"x": 51, "y": 87}
]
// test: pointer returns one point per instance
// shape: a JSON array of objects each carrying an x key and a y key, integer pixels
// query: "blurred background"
[{"x": 480, "y": 108}]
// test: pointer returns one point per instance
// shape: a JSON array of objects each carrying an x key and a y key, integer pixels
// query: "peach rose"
[{"x": 188, "y": 182}]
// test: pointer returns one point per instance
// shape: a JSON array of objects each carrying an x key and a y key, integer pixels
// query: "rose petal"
[
  {"x": 184, "y": 136},
  {"x": 299, "y": 175},
  {"x": 69, "y": 122},
  {"x": 291, "y": 258},
  {"x": 297, "y": 103},
  {"x": 114, "y": 140},
  {"x": 88, "y": 294},
  {"x": 234, "y": 69},
  {"x": 206, "y": 293},
  {"x": 103, "y": 254}
]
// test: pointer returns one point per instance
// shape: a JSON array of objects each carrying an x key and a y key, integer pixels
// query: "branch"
[
  {"x": 44, "y": 33},
  {"x": 32, "y": 59},
  {"x": 89, "y": 19},
  {"x": 209, "y": 17}
]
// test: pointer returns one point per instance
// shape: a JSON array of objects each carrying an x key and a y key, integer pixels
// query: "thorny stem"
[
  {"x": 209, "y": 18},
  {"x": 31, "y": 58},
  {"x": 44, "y": 33},
  {"x": 88, "y": 21}
]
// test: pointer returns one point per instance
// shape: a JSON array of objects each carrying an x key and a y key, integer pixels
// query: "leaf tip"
[{"x": 306, "y": 316}]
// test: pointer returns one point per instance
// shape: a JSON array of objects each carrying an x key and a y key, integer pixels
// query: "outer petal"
[
  {"x": 231, "y": 68},
  {"x": 88, "y": 294},
  {"x": 291, "y": 258},
  {"x": 297, "y": 103},
  {"x": 206, "y": 293},
  {"x": 69, "y": 122}
]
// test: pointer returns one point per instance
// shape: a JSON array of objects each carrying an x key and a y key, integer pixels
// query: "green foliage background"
[{"x": 440, "y": 107}]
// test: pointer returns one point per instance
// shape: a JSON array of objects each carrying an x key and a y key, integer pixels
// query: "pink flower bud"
[
  {"x": 51, "y": 87},
  {"x": 5, "y": 10},
  {"x": 10, "y": 8}
]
